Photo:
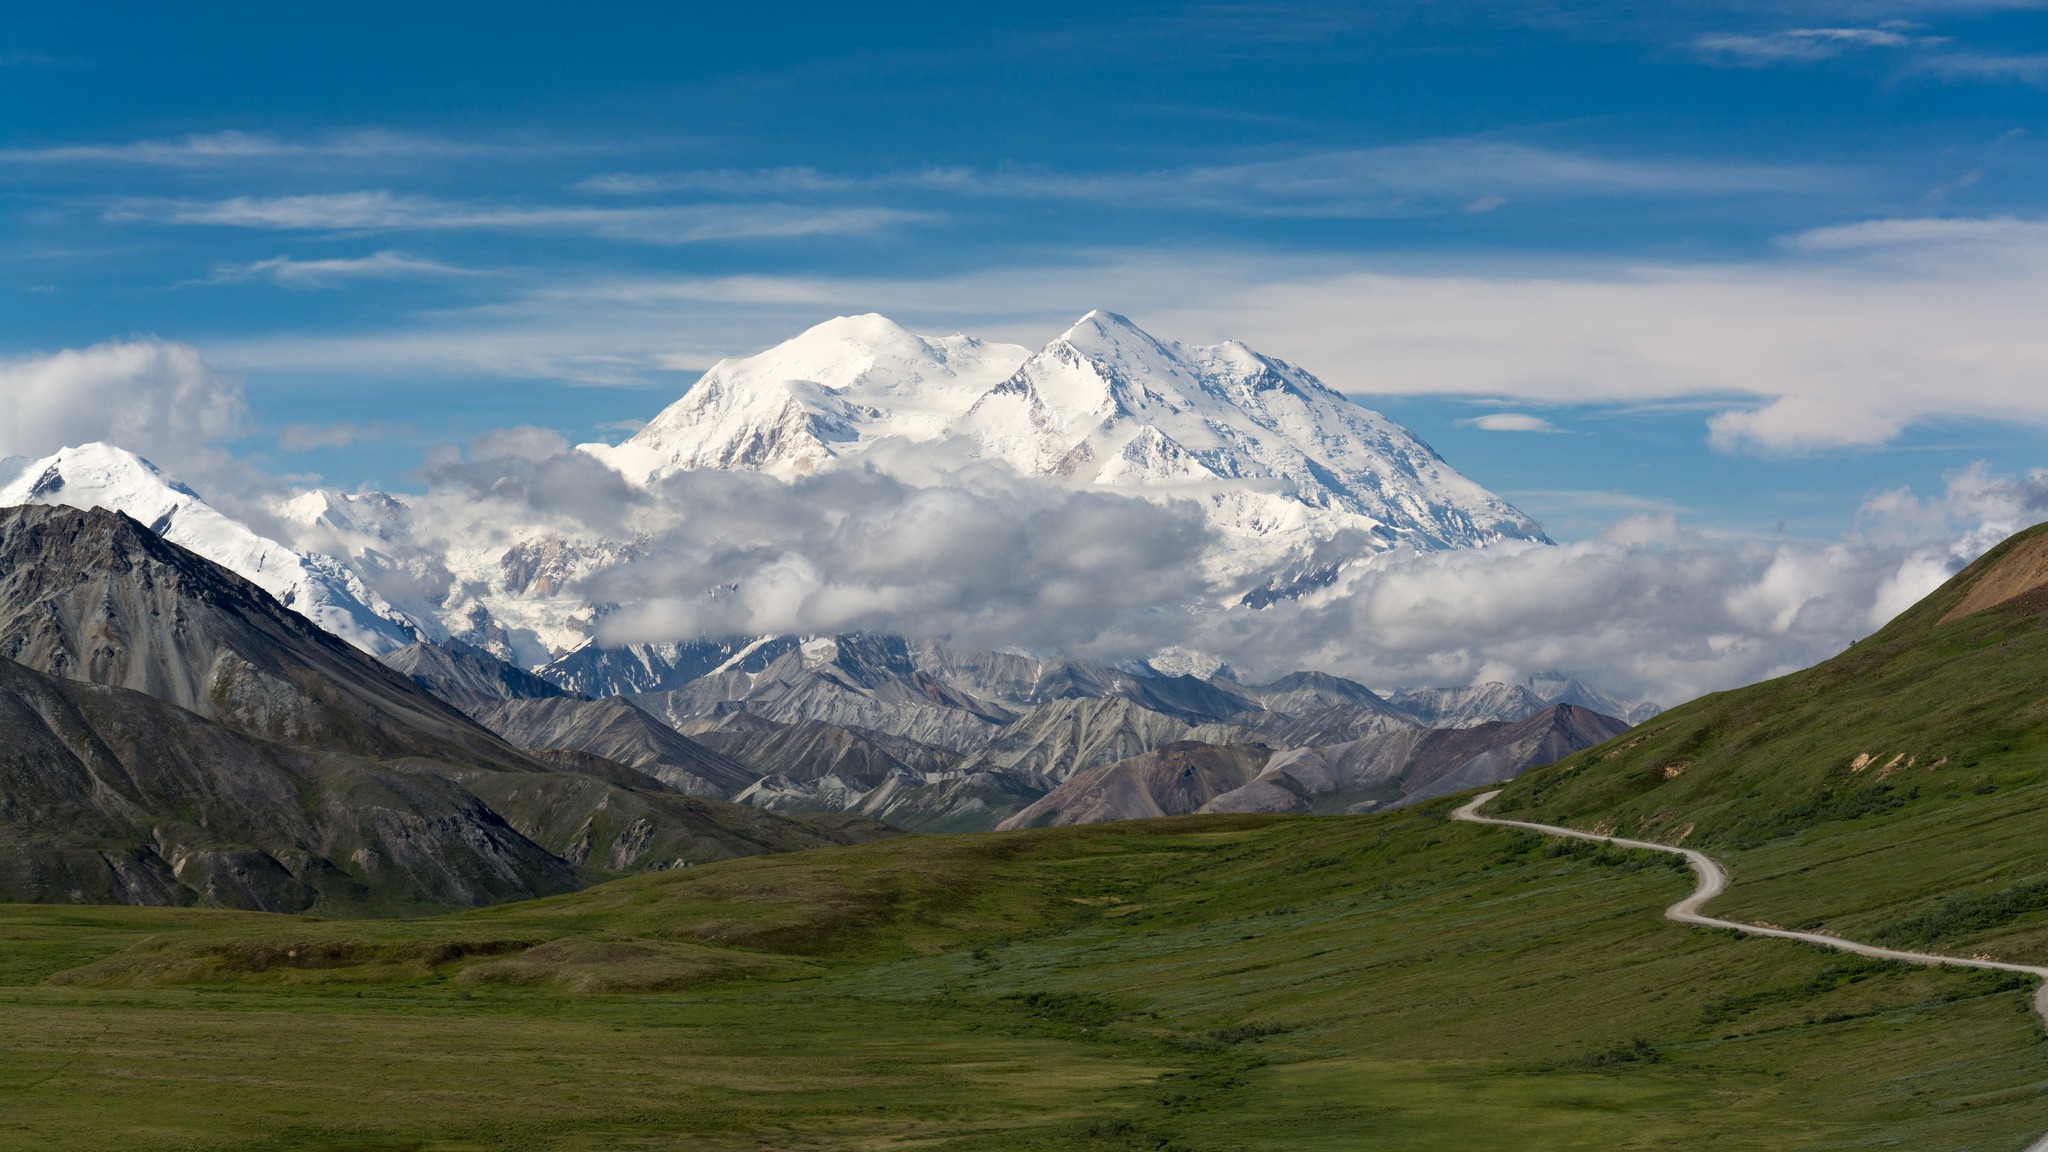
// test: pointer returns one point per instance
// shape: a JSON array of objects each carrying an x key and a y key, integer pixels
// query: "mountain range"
[
  {"x": 1234, "y": 975},
  {"x": 1294, "y": 482},
  {"x": 1276, "y": 456},
  {"x": 379, "y": 645},
  {"x": 171, "y": 733},
  {"x": 175, "y": 733}
]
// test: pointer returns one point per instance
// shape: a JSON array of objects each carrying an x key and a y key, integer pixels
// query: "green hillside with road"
[
  {"x": 1397, "y": 982},
  {"x": 1897, "y": 793}
]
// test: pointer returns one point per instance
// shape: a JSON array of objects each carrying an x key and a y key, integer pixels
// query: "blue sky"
[{"x": 1748, "y": 263}]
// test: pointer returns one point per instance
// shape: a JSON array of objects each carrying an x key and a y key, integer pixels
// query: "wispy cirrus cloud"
[
  {"x": 1470, "y": 175},
  {"x": 291, "y": 273},
  {"x": 233, "y": 147},
  {"x": 384, "y": 211},
  {"x": 1920, "y": 53},
  {"x": 1846, "y": 337},
  {"x": 1925, "y": 233},
  {"x": 21, "y": 58},
  {"x": 2026, "y": 69},
  {"x": 1804, "y": 45}
]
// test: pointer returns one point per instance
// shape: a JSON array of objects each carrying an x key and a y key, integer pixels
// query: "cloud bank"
[
  {"x": 993, "y": 560},
  {"x": 155, "y": 397}
]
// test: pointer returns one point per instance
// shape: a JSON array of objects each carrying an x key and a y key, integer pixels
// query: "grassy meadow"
[
  {"x": 1897, "y": 793},
  {"x": 1392, "y": 982}
]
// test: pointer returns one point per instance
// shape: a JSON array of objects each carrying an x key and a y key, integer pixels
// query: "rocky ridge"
[
  {"x": 1390, "y": 770},
  {"x": 170, "y": 733}
]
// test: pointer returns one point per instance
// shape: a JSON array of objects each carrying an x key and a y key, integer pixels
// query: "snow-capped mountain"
[
  {"x": 511, "y": 589},
  {"x": 315, "y": 586},
  {"x": 1297, "y": 482},
  {"x": 1280, "y": 460},
  {"x": 835, "y": 389}
]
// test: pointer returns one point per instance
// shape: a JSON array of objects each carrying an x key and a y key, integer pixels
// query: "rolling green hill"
[
  {"x": 1895, "y": 793},
  {"x": 1250, "y": 982}
]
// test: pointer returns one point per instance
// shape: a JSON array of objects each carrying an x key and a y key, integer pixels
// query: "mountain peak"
[
  {"x": 868, "y": 330},
  {"x": 1110, "y": 337},
  {"x": 100, "y": 475},
  {"x": 793, "y": 408},
  {"x": 1101, "y": 321},
  {"x": 1281, "y": 462},
  {"x": 98, "y": 467}
]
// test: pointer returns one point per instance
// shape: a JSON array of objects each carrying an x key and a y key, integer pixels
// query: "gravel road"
[{"x": 1713, "y": 880}]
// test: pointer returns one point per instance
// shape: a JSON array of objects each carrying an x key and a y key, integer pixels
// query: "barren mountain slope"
[
  {"x": 615, "y": 729},
  {"x": 111, "y": 796},
  {"x": 95, "y": 596},
  {"x": 1394, "y": 768},
  {"x": 1175, "y": 780},
  {"x": 464, "y": 676}
]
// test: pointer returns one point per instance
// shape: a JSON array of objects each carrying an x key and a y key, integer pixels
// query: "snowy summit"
[
  {"x": 1296, "y": 482},
  {"x": 1278, "y": 458}
]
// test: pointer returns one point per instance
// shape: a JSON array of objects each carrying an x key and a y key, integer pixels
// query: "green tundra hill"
[
  {"x": 1252, "y": 982},
  {"x": 1894, "y": 794}
]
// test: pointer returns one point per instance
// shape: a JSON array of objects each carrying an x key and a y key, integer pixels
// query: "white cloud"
[
  {"x": 1648, "y": 608},
  {"x": 2028, "y": 69},
  {"x": 1468, "y": 174},
  {"x": 381, "y": 211},
  {"x": 524, "y": 442},
  {"x": 1511, "y": 422},
  {"x": 1925, "y": 55},
  {"x": 290, "y": 273},
  {"x": 1847, "y": 336},
  {"x": 236, "y": 148},
  {"x": 150, "y": 396},
  {"x": 1941, "y": 235},
  {"x": 1804, "y": 45}
]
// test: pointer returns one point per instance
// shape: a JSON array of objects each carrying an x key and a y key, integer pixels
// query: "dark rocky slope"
[
  {"x": 618, "y": 731},
  {"x": 466, "y": 676},
  {"x": 172, "y": 734},
  {"x": 95, "y": 596},
  {"x": 111, "y": 796}
]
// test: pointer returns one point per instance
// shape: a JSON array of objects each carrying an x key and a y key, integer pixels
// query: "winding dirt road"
[{"x": 1713, "y": 880}]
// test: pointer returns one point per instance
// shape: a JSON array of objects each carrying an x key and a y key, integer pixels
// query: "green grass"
[
  {"x": 1896, "y": 793},
  {"x": 1391, "y": 982}
]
